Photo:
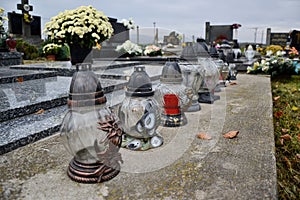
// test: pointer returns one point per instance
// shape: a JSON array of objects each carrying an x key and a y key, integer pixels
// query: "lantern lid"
[
  {"x": 139, "y": 84},
  {"x": 85, "y": 88},
  {"x": 171, "y": 73}
]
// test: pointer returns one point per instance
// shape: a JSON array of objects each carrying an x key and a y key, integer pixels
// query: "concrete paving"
[{"x": 185, "y": 167}]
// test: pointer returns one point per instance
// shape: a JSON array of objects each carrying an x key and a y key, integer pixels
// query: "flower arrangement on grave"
[
  {"x": 84, "y": 26},
  {"x": 27, "y": 18},
  {"x": 51, "y": 49},
  {"x": 129, "y": 49},
  {"x": 274, "y": 65},
  {"x": 152, "y": 50},
  {"x": 128, "y": 23},
  {"x": 2, "y": 18},
  {"x": 293, "y": 53}
]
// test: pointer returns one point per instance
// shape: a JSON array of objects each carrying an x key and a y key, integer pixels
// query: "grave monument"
[{"x": 25, "y": 25}]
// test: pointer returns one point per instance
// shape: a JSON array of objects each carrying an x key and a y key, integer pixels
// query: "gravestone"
[
  {"x": 295, "y": 39},
  {"x": 218, "y": 32},
  {"x": 25, "y": 25},
  {"x": 120, "y": 35},
  {"x": 171, "y": 39},
  {"x": 279, "y": 39}
]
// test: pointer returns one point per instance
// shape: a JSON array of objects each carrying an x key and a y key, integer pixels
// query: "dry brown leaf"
[
  {"x": 203, "y": 136},
  {"x": 19, "y": 79},
  {"x": 299, "y": 137},
  {"x": 285, "y": 130},
  {"x": 281, "y": 140},
  {"x": 233, "y": 83},
  {"x": 231, "y": 134},
  {"x": 288, "y": 162},
  {"x": 41, "y": 111},
  {"x": 276, "y": 98},
  {"x": 286, "y": 137},
  {"x": 298, "y": 125},
  {"x": 298, "y": 155}
]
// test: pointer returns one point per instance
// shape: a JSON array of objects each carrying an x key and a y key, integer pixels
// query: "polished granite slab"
[
  {"x": 8, "y": 75},
  {"x": 22, "y": 98},
  {"x": 154, "y": 72},
  {"x": 65, "y": 68}
]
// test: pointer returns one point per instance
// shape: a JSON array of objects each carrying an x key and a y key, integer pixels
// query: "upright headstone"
[
  {"x": 171, "y": 39},
  {"x": 295, "y": 39},
  {"x": 215, "y": 32},
  {"x": 25, "y": 25},
  {"x": 120, "y": 35}
]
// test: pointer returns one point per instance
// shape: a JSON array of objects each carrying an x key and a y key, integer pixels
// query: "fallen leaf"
[
  {"x": 287, "y": 161},
  {"x": 298, "y": 155},
  {"x": 19, "y": 79},
  {"x": 285, "y": 130},
  {"x": 281, "y": 140},
  {"x": 203, "y": 136},
  {"x": 231, "y": 134},
  {"x": 276, "y": 98},
  {"x": 286, "y": 137},
  {"x": 40, "y": 111},
  {"x": 299, "y": 137},
  {"x": 278, "y": 114},
  {"x": 298, "y": 125},
  {"x": 233, "y": 83},
  {"x": 294, "y": 108}
]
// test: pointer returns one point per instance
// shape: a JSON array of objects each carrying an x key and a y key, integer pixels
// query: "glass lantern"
[
  {"x": 192, "y": 78},
  {"x": 90, "y": 130},
  {"x": 140, "y": 113},
  {"x": 211, "y": 79},
  {"x": 173, "y": 96}
]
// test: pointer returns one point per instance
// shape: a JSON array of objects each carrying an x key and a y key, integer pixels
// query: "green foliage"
[
  {"x": 30, "y": 51},
  {"x": 286, "y": 110},
  {"x": 63, "y": 53}
]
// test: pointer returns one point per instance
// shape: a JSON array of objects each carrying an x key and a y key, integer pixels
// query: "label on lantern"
[{"x": 171, "y": 104}]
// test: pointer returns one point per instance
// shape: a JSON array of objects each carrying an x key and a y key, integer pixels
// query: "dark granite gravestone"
[
  {"x": 25, "y": 26},
  {"x": 108, "y": 49},
  {"x": 295, "y": 39},
  {"x": 218, "y": 32},
  {"x": 279, "y": 39}
]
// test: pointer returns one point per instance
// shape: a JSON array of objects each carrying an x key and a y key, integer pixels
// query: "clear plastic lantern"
[
  {"x": 140, "y": 113},
  {"x": 211, "y": 79},
  {"x": 173, "y": 96},
  {"x": 192, "y": 78},
  {"x": 90, "y": 131}
]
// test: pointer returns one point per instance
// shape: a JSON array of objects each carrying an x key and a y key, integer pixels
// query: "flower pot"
[
  {"x": 80, "y": 54},
  {"x": 51, "y": 57}
]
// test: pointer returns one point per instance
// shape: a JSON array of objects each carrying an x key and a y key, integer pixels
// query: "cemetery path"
[{"x": 185, "y": 167}]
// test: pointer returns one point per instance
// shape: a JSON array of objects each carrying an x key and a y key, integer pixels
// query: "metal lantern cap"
[
  {"x": 85, "y": 89},
  {"x": 139, "y": 84},
  {"x": 171, "y": 73}
]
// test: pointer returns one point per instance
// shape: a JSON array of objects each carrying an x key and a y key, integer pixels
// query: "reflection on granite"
[
  {"x": 22, "y": 98},
  {"x": 13, "y": 75}
]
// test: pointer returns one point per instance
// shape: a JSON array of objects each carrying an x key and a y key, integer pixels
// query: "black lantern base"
[
  {"x": 173, "y": 120},
  {"x": 92, "y": 172},
  {"x": 206, "y": 97}
]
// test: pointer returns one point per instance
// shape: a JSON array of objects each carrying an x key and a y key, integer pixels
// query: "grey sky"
[{"x": 186, "y": 17}]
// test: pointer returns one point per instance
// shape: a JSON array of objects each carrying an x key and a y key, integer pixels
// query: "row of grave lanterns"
[{"x": 93, "y": 133}]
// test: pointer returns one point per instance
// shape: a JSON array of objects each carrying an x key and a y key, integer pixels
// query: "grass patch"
[{"x": 286, "y": 112}]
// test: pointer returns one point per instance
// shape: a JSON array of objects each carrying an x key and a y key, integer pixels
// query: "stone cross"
[{"x": 25, "y": 7}]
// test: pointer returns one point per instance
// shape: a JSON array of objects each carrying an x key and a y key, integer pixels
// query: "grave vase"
[
  {"x": 51, "y": 57},
  {"x": 80, "y": 54}
]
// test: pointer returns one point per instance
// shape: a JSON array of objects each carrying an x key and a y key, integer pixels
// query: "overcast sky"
[{"x": 186, "y": 17}]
